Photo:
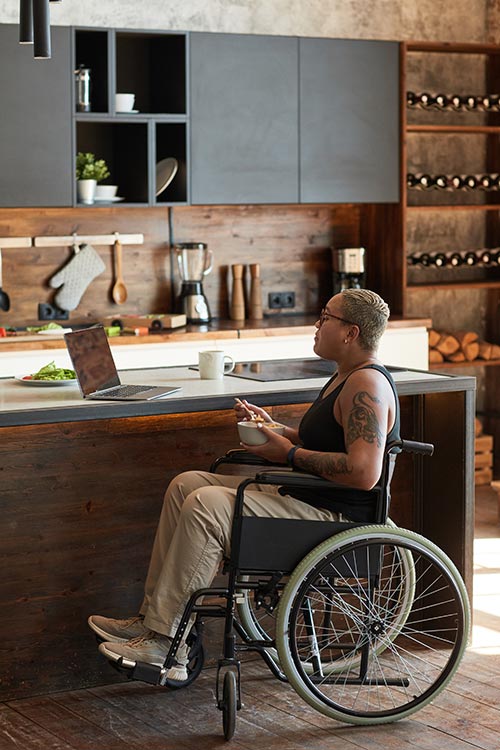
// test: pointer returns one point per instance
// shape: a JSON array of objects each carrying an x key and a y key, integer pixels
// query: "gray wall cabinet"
[
  {"x": 244, "y": 114},
  {"x": 35, "y": 143},
  {"x": 349, "y": 121}
]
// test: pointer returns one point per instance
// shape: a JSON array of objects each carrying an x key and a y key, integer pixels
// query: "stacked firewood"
[{"x": 462, "y": 346}]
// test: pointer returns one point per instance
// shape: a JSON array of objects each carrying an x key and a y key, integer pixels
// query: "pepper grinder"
[
  {"x": 237, "y": 311},
  {"x": 255, "y": 293}
]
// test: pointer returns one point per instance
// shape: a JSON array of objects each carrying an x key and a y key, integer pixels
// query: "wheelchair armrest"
[
  {"x": 241, "y": 456},
  {"x": 292, "y": 478}
]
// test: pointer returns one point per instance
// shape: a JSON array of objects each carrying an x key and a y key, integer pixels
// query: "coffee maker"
[
  {"x": 348, "y": 268},
  {"x": 194, "y": 262}
]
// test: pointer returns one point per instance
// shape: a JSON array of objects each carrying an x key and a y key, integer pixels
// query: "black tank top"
[{"x": 320, "y": 431}]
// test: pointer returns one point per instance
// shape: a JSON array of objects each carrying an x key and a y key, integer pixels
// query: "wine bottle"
[
  {"x": 424, "y": 259},
  {"x": 487, "y": 182},
  {"x": 426, "y": 182},
  {"x": 494, "y": 101},
  {"x": 470, "y": 259},
  {"x": 471, "y": 102},
  {"x": 440, "y": 260},
  {"x": 412, "y": 180},
  {"x": 441, "y": 181},
  {"x": 455, "y": 260},
  {"x": 457, "y": 182},
  {"x": 486, "y": 257},
  {"x": 426, "y": 100},
  {"x": 441, "y": 101},
  {"x": 485, "y": 103},
  {"x": 412, "y": 99},
  {"x": 470, "y": 182},
  {"x": 456, "y": 102}
]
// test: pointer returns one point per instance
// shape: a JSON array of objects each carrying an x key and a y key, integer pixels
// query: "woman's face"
[{"x": 331, "y": 330}]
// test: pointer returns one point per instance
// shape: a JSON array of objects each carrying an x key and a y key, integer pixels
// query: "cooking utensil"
[
  {"x": 4, "y": 297},
  {"x": 119, "y": 291}
]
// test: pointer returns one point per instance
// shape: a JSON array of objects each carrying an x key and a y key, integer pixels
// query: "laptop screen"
[{"x": 92, "y": 359}]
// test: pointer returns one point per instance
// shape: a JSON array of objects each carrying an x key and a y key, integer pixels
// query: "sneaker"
[
  {"x": 151, "y": 648},
  {"x": 117, "y": 631}
]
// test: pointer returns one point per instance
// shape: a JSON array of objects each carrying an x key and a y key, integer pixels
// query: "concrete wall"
[{"x": 443, "y": 20}]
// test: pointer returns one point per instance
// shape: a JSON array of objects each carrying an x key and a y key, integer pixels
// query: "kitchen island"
[{"x": 81, "y": 488}]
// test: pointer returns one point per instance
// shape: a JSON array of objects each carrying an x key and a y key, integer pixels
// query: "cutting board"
[{"x": 153, "y": 322}]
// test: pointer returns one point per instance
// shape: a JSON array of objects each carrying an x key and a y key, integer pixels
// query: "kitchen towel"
[{"x": 74, "y": 278}]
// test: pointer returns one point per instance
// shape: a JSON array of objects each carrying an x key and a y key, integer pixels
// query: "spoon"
[
  {"x": 119, "y": 291},
  {"x": 4, "y": 297}
]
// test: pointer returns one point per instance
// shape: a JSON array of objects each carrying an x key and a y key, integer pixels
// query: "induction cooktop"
[
  {"x": 287, "y": 369},
  {"x": 284, "y": 369}
]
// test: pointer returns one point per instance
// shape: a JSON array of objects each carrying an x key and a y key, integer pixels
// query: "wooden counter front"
[{"x": 80, "y": 502}]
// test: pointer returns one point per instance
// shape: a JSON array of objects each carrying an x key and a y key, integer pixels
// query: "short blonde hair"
[{"x": 369, "y": 312}]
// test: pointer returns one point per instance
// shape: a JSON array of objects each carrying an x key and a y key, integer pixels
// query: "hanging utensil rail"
[
  {"x": 15, "y": 242},
  {"x": 89, "y": 239}
]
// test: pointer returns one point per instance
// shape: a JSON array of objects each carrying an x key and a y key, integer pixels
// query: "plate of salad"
[{"x": 48, "y": 375}]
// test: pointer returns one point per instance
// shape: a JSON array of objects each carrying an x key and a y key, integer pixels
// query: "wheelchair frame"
[{"x": 336, "y": 570}]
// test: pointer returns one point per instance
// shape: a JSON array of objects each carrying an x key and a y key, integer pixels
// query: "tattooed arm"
[{"x": 365, "y": 409}]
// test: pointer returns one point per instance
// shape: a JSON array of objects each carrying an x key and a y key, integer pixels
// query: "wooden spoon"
[{"x": 119, "y": 291}]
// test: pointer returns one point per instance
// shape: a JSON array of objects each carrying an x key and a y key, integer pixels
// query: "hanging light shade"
[
  {"x": 41, "y": 29},
  {"x": 26, "y": 22}
]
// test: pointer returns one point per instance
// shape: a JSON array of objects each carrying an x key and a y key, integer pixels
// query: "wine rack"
[
  {"x": 452, "y": 182},
  {"x": 453, "y": 102}
]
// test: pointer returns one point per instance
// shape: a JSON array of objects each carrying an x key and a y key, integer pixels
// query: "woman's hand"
[
  {"x": 246, "y": 412},
  {"x": 275, "y": 450}
]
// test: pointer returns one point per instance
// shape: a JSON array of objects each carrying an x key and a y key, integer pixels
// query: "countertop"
[
  {"x": 22, "y": 404},
  {"x": 279, "y": 325}
]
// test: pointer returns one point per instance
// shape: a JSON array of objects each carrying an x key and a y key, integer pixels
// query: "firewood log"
[
  {"x": 456, "y": 357},
  {"x": 485, "y": 350},
  {"x": 434, "y": 337},
  {"x": 495, "y": 351},
  {"x": 478, "y": 427},
  {"x": 471, "y": 350},
  {"x": 466, "y": 337},
  {"x": 435, "y": 357},
  {"x": 447, "y": 345}
]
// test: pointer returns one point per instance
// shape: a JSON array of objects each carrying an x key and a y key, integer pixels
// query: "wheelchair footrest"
[{"x": 142, "y": 671}]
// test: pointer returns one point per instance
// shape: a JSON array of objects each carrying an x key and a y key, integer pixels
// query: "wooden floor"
[{"x": 134, "y": 715}]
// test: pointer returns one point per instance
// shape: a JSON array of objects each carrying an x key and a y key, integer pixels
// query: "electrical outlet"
[
  {"x": 278, "y": 300},
  {"x": 51, "y": 312}
]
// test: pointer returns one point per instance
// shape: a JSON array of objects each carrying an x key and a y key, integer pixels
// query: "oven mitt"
[{"x": 75, "y": 277}]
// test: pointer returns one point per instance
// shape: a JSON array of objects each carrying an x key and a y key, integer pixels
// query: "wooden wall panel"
[{"x": 292, "y": 243}]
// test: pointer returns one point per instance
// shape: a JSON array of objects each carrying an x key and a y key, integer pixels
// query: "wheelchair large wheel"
[
  {"x": 339, "y": 608},
  {"x": 260, "y": 624}
]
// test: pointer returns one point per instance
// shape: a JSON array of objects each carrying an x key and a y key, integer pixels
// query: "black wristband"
[{"x": 291, "y": 455}]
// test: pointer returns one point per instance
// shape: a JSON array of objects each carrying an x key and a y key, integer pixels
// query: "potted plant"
[{"x": 89, "y": 171}]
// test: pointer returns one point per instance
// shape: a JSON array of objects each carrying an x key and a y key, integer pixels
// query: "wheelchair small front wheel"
[
  {"x": 229, "y": 704},
  {"x": 343, "y": 605}
]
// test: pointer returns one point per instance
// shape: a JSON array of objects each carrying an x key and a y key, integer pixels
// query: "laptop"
[{"x": 96, "y": 370}]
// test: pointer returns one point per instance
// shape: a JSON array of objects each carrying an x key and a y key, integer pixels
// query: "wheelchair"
[{"x": 366, "y": 621}]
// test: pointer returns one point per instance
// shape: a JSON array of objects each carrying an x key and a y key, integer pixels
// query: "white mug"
[
  {"x": 124, "y": 102},
  {"x": 214, "y": 364}
]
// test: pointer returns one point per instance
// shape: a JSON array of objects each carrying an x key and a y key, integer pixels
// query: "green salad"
[{"x": 51, "y": 372}]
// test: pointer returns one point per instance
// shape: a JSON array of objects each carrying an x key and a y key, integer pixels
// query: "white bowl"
[
  {"x": 105, "y": 192},
  {"x": 251, "y": 435},
  {"x": 124, "y": 102}
]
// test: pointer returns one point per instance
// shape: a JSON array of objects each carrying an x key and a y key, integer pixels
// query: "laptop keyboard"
[{"x": 128, "y": 390}]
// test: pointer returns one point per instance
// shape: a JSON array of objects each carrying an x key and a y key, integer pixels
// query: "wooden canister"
[
  {"x": 255, "y": 293},
  {"x": 237, "y": 307}
]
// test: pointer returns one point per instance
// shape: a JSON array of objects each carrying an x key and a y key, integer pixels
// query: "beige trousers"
[{"x": 193, "y": 536}]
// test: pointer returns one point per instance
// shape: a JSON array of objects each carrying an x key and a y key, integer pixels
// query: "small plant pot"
[{"x": 86, "y": 191}]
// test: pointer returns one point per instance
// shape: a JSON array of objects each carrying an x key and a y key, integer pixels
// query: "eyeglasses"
[{"x": 324, "y": 315}]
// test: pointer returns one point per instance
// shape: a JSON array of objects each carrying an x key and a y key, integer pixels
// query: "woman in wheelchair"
[{"x": 342, "y": 438}]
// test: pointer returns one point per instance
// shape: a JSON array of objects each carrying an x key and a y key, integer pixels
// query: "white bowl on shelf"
[{"x": 105, "y": 192}]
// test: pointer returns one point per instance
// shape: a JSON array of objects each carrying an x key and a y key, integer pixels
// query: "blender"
[{"x": 194, "y": 262}]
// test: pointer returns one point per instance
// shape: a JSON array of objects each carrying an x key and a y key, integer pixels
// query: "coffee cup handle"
[{"x": 228, "y": 365}]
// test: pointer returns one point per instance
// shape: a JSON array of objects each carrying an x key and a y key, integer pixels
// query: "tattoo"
[
  {"x": 362, "y": 421},
  {"x": 324, "y": 464}
]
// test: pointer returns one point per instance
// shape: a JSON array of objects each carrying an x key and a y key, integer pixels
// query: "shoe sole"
[
  {"x": 109, "y": 637},
  {"x": 179, "y": 674}
]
